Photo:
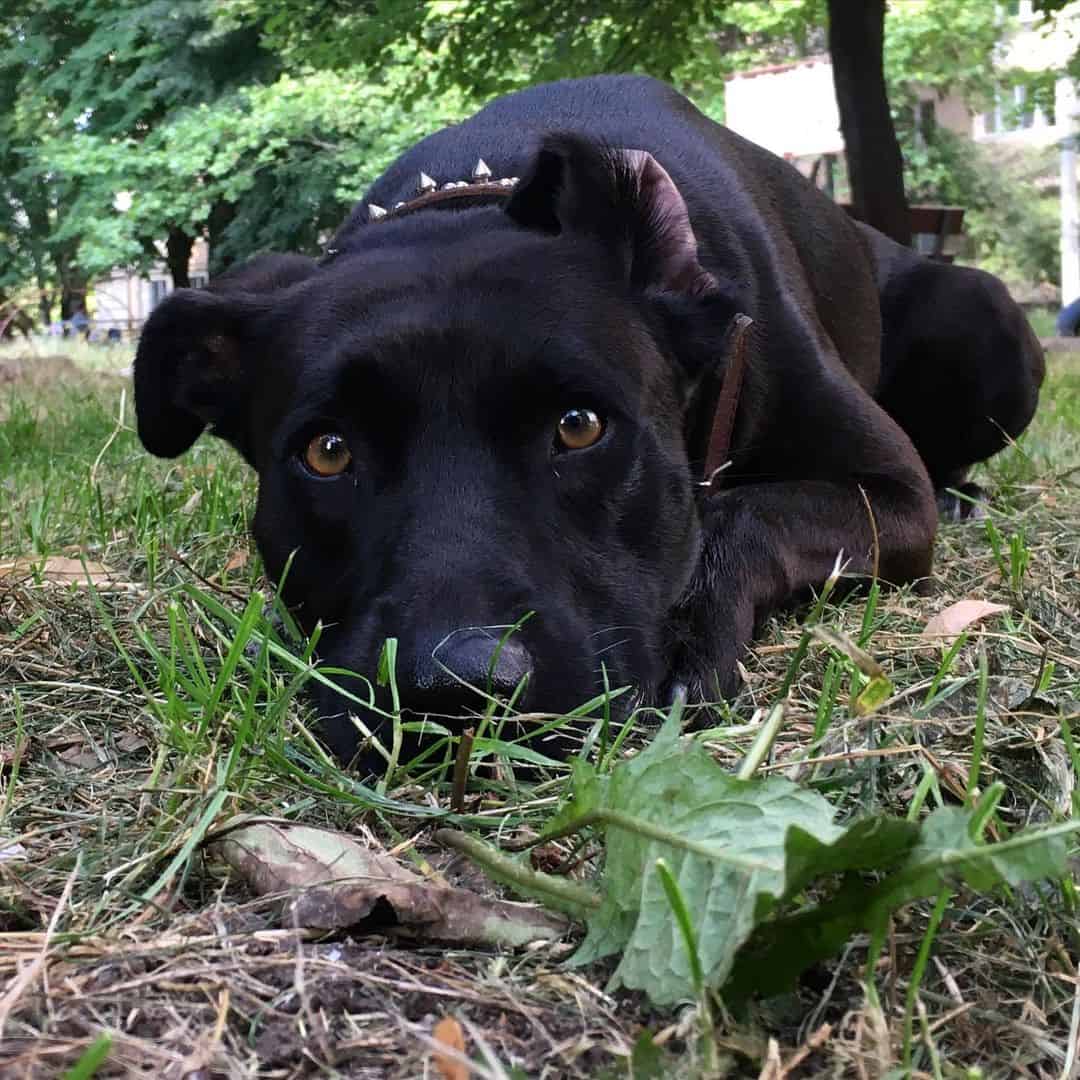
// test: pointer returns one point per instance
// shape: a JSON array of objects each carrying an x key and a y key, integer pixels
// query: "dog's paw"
[{"x": 965, "y": 502}]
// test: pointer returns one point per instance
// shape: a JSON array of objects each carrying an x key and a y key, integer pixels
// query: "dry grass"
[{"x": 111, "y": 919}]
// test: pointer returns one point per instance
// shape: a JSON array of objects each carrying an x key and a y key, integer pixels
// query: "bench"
[{"x": 932, "y": 227}]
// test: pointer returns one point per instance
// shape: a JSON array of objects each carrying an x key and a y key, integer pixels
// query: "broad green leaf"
[
  {"x": 922, "y": 862},
  {"x": 679, "y": 788},
  {"x": 740, "y": 855}
]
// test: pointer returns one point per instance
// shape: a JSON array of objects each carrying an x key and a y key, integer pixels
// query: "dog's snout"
[{"x": 466, "y": 664}]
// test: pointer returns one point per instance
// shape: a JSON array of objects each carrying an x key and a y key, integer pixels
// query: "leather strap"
[
  {"x": 465, "y": 191},
  {"x": 462, "y": 191},
  {"x": 727, "y": 402}
]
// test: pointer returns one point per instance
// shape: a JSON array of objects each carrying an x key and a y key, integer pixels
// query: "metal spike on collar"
[
  {"x": 425, "y": 184},
  {"x": 481, "y": 173},
  {"x": 375, "y": 212}
]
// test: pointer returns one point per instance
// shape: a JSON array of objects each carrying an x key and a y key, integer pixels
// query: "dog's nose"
[{"x": 448, "y": 680}]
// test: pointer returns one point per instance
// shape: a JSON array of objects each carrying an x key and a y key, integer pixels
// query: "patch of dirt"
[
  {"x": 300, "y": 1009},
  {"x": 37, "y": 370},
  {"x": 1060, "y": 344},
  {"x": 24, "y": 375}
]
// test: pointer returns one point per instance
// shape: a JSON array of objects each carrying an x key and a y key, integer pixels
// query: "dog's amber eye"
[
  {"x": 327, "y": 455},
  {"x": 579, "y": 428}
]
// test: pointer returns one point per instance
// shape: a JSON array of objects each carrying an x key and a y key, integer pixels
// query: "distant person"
[
  {"x": 1068, "y": 320},
  {"x": 78, "y": 324}
]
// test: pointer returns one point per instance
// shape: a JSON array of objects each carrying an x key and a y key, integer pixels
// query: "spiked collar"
[{"x": 430, "y": 193}]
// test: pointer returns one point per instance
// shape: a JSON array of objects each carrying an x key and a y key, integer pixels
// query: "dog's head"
[{"x": 464, "y": 418}]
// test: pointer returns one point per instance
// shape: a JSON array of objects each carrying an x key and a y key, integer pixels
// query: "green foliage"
[
  {"x": 106, "y": 70},
  {"x": 116, "y": 66},
  {"x": 946, "y": 851},
  {"x": 193, "y": 121},
  {"x": 1012, "y": 223},
  {"x": 91, "y": 1060},
  {"x": 257, "y": 123},
  {"x": 290, "y": 157},
  {"x": 686, "y": 793},
  {"x": 942, "y": 45},
  {"x": 738, "y": 856},
  {"x": 489, "y": 46}
]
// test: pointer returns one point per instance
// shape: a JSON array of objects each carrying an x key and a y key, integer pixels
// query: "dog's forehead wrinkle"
[
  {"x": 424, "y": 337},
  {"x": 509, "y": 259},
  {"x": 546, "y": 290}
]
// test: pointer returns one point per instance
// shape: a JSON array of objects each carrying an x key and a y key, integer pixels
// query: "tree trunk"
[
  {"x": 39, "y": 229},
  {"x": 221, "y": 216},
  {"x": 72, "y": 284},
  {"x": 72, "y": 298},
  {"x": 178, "y": 247},
  {"x": 45, "y": 302},
  {"x": 875, "y": 163}
]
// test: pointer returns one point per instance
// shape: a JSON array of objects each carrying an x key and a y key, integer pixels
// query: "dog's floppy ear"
[
  {"x": 625, "y": 199},
  {"x": 193, "y": 362}
]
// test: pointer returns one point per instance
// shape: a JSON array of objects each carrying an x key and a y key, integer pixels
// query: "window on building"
[
  {"x": 1024, "y": 115},
  {"x": 1014, "y": 110},
  {"x": 1022, "y": 9},
  {"x": 158, "y": 291},
  {"x": 198, "y": 281}
]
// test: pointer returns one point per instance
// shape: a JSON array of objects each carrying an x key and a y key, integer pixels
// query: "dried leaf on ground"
[
  {"x": 951, "y": 621},
  {"x": 341, "y": 883},
  {"x": 59, "y": 570},
  {"x": 12, "y": 851},
  {"x": 82, "y": 755},
  {"x": 237, "y": 560},
  {"x": 448, "y": 1032}
]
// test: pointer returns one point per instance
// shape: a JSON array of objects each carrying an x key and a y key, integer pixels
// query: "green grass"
[
  {"x": 1043, "y": 321},
  {"x": 138, "y": 715}
]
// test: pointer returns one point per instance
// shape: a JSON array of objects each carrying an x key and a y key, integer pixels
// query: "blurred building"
[
  {"x": 122, "y": 300},
  {"x": 791, "y": 109}
]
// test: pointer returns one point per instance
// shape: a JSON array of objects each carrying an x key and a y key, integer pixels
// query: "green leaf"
[
  {"x": 587, "y": 789},
  {"x": 872, "y": 696},
  {"x": 646, "y": 1059},
  {"x": 679, "y": 788},
  {"x": 735, "y": 857},
  {"x": 922, "y": 862},
  {"x": 92, "y": 1058}
]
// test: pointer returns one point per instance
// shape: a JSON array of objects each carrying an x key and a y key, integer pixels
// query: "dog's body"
[{"x": 465, "y": 351}]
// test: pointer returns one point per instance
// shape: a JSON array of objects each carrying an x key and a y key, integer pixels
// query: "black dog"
[{"x": 501, "y": 397}]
